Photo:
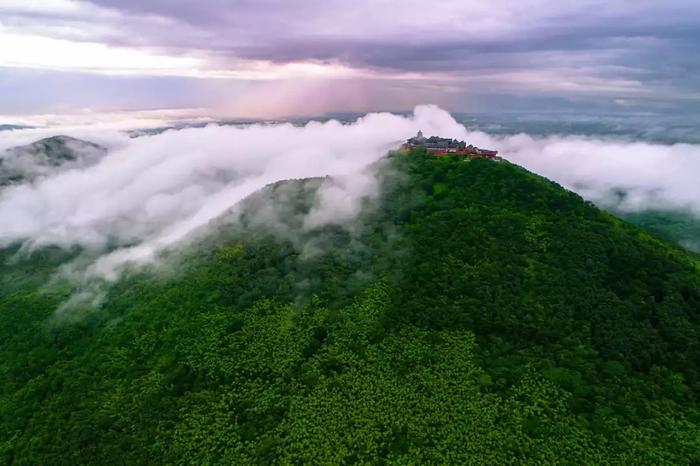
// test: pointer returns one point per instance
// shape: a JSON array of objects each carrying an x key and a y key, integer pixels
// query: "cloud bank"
[
  {"x": 150, "y": 193},
  {"x": 630, "y": 176}
]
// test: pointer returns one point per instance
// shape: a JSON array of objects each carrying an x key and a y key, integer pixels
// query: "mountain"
[
  {"x": 472, "y": 313},
  {"x": 45, "y": 157}
]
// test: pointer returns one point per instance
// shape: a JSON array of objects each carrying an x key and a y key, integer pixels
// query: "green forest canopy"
[{"x": 475, "y": 313}]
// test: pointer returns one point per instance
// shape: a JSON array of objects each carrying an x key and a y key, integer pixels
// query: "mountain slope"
[
  {"x": 473, "y": 313},
  {"x": 679, "y": 226}
]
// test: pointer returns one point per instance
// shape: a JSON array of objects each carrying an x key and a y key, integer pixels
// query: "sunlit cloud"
[
  {"x": 34, "y": 51},
  {"x": 44, "y": 6},
  {"x": 27, "y": 51}
]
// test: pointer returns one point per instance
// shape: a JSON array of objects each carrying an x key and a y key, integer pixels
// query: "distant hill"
[
  {"x": 46, "y": 156},
  {"x": 474, "y": 313},
  {"x": 6, "y": 127}
]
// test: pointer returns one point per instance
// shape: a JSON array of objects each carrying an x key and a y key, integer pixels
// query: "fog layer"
[
  {"x": 156, "y": 190},
  {"x": 151, "y": 192}
]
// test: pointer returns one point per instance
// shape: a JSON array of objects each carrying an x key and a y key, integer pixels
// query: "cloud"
[
  {"x": 155, "y": 193},
  {"x": 339, "y": 199},
  {"x": 614, "y": 172},
  {"x": 548, "y": 47},
  {"x": 149, "y": 193},
  {"x": 625, "y": 175},
  {"x": 33, "y": 51}
]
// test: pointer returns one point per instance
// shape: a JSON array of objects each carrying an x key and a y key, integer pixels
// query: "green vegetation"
[
  {"x": 681, "y": 227},
  {"x": 475, "y": 313}
]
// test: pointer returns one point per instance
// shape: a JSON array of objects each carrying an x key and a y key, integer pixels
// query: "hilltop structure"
[{"x": 445, "y": 146}]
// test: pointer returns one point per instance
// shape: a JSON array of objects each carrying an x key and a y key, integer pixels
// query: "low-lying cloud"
[
  {"x": 629, "y": 176},
  {"x": 150, "y": 193}
]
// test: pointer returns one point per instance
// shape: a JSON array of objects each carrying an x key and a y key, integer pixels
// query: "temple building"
[{"x": 444, "y": 146}]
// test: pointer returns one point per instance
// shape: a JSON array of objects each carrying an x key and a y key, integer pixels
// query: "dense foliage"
[
  {"x": 474, "y": 313},
  {"x": 679, "y": 226}
]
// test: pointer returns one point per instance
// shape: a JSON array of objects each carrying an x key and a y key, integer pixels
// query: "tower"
[{"x": 420, "y": 135}]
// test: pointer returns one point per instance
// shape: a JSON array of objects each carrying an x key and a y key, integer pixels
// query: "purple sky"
[{"x": 272, "y": 57}]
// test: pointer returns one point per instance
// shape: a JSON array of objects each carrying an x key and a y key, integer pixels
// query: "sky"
[{"x": 270, "y": 58}]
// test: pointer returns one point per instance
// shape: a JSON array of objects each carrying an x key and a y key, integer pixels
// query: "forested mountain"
[
  {"x": 473, "y": 313},
  {"x": 46, "y": 156}
]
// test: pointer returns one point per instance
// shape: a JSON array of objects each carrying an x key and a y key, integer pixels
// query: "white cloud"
[
  {"x": 39, "y": 51},
  {"x": 154, "y": 191},
  {"x": 652, "y": 175},
  {"x": 43, "y": 6},
  {"x": 150, "y": 193},
  {"x": 34, "y": 51}
]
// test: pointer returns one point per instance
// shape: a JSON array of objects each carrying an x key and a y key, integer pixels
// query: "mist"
[
  {"x": 150, "y": 193},
  {"x": 619, "y": 175}
]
